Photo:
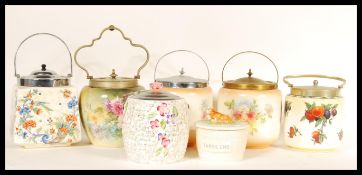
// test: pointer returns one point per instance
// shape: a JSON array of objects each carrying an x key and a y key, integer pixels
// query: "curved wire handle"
[
  {"x": 207, "y": 67},
  {"x": 314, "y": 76},
  {"x": 112, "y": 28},
  {"x": 222, "y": 73},
  {"x": 70, "y": 54}
]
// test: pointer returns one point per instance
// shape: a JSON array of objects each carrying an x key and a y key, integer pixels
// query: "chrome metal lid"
[
  {"x": 182, "y": 81},
  {"x": 154, "y": 95},
  {"x": 43, "y": 78},
  {"x": 315, "y": 90}
]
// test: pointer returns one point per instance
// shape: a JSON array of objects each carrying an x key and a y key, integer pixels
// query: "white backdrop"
[{"x": 299, "y": 39}]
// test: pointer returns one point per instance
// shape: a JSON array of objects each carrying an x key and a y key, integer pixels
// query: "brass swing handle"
[
  {"x": 314, "y": 76},
  {"x": 112, "y": 28},
  {"x": 276, "y": 69}
]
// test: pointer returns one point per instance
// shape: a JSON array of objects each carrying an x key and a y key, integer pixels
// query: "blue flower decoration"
[
  {"x": 24, "y": 110},
  {"x": 24, "y": 134},
  {"x": 45, "y": 138},
  {"x": 72, "y": 103}
]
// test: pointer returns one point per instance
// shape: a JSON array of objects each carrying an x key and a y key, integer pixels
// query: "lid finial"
[
  {"x": 182, "y": 72},
  {"x": 43, "y": 67},
  {"x": 250, "y": 73},
  {"x": 315, "y": 83},
  {"x": 113, "y": 75}
]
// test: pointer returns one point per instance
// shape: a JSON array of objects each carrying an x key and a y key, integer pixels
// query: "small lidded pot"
[
  {"x": 255, "y": 101},
  {"x": 102, "y": 101},
  {"x": 221, "y": 141},
  {"x": 46, "y": 107},
  {"x": 155, "y": 126},
  {"x": 196, "y": 92},
  {"x": 314, "y": 115}
]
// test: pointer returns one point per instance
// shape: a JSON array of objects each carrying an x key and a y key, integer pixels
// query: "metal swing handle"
[
  {"x": 314, "y": 76},
  {"x": 207, "y": 67},
  {"x": 276, "y": 69},
  {"x": 112, "y": 28},
  {"x": 49, "y": 34}
]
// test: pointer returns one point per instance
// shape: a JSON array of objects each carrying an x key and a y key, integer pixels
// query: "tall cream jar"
[
  {"x": 255, "y": 101},
  {"x": 195, "y": 91},
  {"x": 314, "y": 115}
]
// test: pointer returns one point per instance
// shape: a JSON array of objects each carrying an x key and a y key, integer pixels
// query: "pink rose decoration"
[
  {"x": 165, "y": 142},
  {"x": 155, "y": 85},
  {"x": 117, "y": 108},
  {"x": 154, "y": 124},
  {"x": 108, "y": 105},
  {"x": 163, "y": 109}
]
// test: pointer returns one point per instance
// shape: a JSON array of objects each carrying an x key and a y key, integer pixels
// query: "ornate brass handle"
[
  {"x": 207, "y": 67},
  {"x": 112, "y": 28},
  {"x": 35, "y": 34},
  {"x": 276, "y": 69},
  {"x": 314, "y": 76}
]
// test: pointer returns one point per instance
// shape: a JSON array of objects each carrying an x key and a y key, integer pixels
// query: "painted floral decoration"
[
  {"x": 160, "y": 118},
  {"x": 287, "y": 107},
  {"x": 249, "y": 111},
  {"x": 321, "y": 116}
]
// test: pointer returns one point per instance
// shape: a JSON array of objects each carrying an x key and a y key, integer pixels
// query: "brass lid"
[
  {"x": 113, "y": 82},
  {"x": 315, "y": 90},
  {"x": 249, "y": 83}
]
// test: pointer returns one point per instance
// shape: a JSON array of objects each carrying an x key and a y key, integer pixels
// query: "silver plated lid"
[
  {"x": 154, "y": 95},
  {"x": 182, "y": 81},
  {"x": 43, "y": 77}
]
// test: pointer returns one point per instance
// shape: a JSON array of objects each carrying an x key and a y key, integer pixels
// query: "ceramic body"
[
  {"x": 102, "y": 113},
  {"x": 46, "y": 116},
  {"x": 155, "y": 131},
  {"x": 261, "y": 109},
  {"x": 313, "y": 123},
  {"x": 199, "y": 100},
  {"x": 212, "y": 145}
]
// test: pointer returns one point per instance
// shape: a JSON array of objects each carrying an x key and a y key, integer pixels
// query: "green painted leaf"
[
  {"x": 335, "y": 106},
  {"x": 313, "y": 105},
  {"x": 230, "y": 104},
  {"x": 158, "y": 151},
  {"x": 174, "y": 110},
  {"x": 308, "y": 105},
  {"x": 152, "y": 114},
  {"x": 318, "y": 122},
  {"x": 303, "y": 118},
  {"x": 99, "y": 109},
  {"x": 163, "y": 124}
]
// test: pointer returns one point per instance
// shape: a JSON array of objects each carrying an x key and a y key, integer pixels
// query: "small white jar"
[{"x": 221, "y": 141}]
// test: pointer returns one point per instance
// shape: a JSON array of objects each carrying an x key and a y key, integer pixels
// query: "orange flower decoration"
[
  {"x": 29, "y": 123},
  {"x": 52, "y": 130},
  {"x": 39, "y": 111},
  {"x": 74, "y": 125},
  {"x": 29, "y": 95},
  {"x": 70, "y": 118},
  {"x": 318, "y": 111},
  {"x": 63, "y": 130},
  {"x": 67, "y": 93},
  {"x": 18, "y": 108}
]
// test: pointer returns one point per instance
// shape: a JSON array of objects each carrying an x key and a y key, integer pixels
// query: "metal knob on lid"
[
  {"x": 182, "y": 80},
  {"x": 43, "y": 77},
  {"x": 113, "y": 81},
  {"x": 250, "y": 83},
  {"x": 315, "y": 90}
]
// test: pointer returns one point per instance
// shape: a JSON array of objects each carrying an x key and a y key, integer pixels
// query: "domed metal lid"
[
  {"x": 182, "y": 81},
  {"x": 250, "y": 83},
  {"x": 43, "y": 78},
  {"x": 315, "y": 90}
]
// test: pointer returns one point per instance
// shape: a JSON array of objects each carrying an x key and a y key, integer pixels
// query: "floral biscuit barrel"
[
  {"x": 102, "y": 102},
  {"x": 155, "y": 127},
  {"x": 196, "y": 92},
  {"x": 313, "y": 115},
  {"x": 46, "y": 107},
  {"x": 255, "y": 101}
]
